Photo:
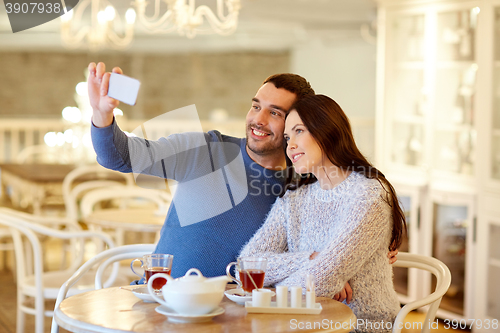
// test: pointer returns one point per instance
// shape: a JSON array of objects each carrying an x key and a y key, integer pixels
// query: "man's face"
[{"x": 266, "y": 120}]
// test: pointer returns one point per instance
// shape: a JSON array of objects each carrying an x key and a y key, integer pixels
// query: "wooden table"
[
  {"x": 33, "y": 184},
  {"x": 130, "y": 219},
  {"x": 114, "y": 310},
  {"x": 37, "y": 184},
  {"x": 127, "y": 219}
]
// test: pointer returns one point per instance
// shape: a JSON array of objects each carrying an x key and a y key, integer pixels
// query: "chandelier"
[
  {"x": 184, "y": 17},
  {"x": 73, "y": 145},
  {"x": 95, "y": 23}
]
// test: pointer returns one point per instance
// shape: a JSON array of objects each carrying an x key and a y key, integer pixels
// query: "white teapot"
[{"x": 190, "y": 294}]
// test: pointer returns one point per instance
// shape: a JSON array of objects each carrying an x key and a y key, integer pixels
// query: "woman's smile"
[{"x": 295, "y": 157}]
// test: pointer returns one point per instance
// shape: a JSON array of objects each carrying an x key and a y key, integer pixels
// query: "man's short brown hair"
[{"x": 294, "y": 83}]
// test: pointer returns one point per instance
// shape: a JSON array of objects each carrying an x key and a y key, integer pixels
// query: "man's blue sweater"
[{"x": 221, "y": 198}]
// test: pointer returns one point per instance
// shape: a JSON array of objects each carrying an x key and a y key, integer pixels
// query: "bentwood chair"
[
  {"x": 103, "y": 260},
  {"x": 51, "y": 222},
  {"x": 443, "y": 277},
  {"x": 31, "y": 278},
  {"x": 6, "y": 244},
  {"x": 86, "y": 178},
  {"x": 124, "y": 197}
]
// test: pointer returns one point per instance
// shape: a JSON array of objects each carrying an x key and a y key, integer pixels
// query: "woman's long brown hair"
[{"x": 330, "y": 127}]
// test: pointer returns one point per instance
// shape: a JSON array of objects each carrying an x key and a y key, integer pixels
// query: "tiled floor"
[
  {"x": 8, "y": 304},
  {"x": 8, "y": 307}
]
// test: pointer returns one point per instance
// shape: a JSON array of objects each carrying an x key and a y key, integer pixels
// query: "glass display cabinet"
[
  {"x": 493, "y": 300},
  {"x": 450, "y": 246},
  {"x": 401, "y": 278},
  {"x": 495, "y": 147},
  {"x": 449, "y": 234},
  {"x": 429, "y": 90},
  {"x": 487, "y": 294},
  {"x": 406, "y": 95},
  {"x": 438, "y": 129},
  {"x": 405, "y": 280},
  {"x": 454, "y": 91},
  {"x": 400, "y": 273}
]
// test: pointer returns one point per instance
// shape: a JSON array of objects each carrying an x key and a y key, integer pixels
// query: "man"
[{"x": 251, "y": 171}]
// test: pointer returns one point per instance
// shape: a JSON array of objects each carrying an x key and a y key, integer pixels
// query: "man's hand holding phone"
[
  {"x": 106, "y": 90},
  {"x": 102, "y": 104}
]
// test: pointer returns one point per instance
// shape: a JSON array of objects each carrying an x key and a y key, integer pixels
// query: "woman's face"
[{"x": 302, "y": 149}]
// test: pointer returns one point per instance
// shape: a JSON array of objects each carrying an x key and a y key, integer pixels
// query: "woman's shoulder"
[{"x": 365, "y": 188}]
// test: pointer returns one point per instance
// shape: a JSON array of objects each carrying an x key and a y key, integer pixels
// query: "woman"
[{"x": 336, "y": 221}]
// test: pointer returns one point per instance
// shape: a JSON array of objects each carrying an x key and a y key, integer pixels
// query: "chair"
[
  {"x": 443, "y": 276},
  {"x": 127, "y": 196},
  {"x": 103, "y": 259},
  {"x": 52, "y": 222},
  {"x": 32, "y": 280},
  {"x": 6, "y": 244},
  {"x": 100, "y": 178}
]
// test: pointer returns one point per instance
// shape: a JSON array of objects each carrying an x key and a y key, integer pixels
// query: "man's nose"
[{"x": 261, "y": 118}]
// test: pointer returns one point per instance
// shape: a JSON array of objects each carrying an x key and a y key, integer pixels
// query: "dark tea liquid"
[
  {"x": 257, "y": 276},
  {"x": 159, "y": 282}
]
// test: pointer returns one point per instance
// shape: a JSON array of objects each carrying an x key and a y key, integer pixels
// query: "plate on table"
[
  {"x": 238, "y": 295},
  {"x": 182, "y": 318},
  {"x": 142, "y": 293}
]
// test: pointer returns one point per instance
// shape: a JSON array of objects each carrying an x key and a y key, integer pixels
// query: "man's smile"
[{"x": 259, "y": 133}]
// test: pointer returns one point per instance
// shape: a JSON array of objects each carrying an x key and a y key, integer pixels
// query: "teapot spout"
[{"x": 219, "y": 282}]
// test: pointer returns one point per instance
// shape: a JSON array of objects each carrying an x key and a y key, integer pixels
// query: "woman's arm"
[
  {"x": 357, "y": 238},
  {"x": 270, "y": 242}
]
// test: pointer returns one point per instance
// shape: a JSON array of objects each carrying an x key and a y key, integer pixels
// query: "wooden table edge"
[{"x": 66, "y": 322}]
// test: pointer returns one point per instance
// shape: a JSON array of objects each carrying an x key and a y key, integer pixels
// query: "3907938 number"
[
  {"x": 471, "y": 323},
  {"x": 33, "y": 8}
]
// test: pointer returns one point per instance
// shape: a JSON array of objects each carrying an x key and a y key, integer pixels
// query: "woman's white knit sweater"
[{"x": 350, "y": 226}]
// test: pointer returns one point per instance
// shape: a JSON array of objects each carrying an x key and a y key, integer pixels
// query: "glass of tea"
[
  {"x": 251, "y": 272},
  {"x": 153, "y": 264}
]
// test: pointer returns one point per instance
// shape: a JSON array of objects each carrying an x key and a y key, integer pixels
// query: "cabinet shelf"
[
  {"x": 410, "y": 65},
  {"x": 453, "y": 127},
  {"x": 454, "y": 64},
  {"x": 494, "y": 262},
  {"x": 447, "y": 64},
  {"x": 409, "y": 119}
]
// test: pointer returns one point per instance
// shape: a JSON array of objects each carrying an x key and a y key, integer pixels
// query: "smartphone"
[{"x": 123, "y": 88}]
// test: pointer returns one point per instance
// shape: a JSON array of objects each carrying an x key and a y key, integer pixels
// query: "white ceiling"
[{"x": 263, "y": 25}]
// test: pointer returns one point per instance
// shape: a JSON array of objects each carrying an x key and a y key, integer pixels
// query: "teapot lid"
[
  {"x": 192, "y": 278},
  {"x": 190, "y": 284}
]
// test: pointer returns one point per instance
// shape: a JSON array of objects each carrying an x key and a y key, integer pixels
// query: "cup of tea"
[
  {"x": 153, "y": 264},
  {"x": 251, "y": 272}
]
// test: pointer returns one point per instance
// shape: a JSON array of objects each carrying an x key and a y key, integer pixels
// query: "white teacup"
[{"x": 191, "y": 294}]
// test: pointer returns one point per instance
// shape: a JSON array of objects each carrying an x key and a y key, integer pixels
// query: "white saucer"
[
  {"x": 142, "y": 293},
  {"x": 180, "y": 318},
  {"x": 234, "y": 295}
]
